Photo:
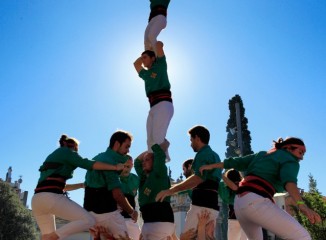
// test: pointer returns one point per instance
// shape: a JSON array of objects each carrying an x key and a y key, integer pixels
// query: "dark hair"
[
  {"x": 187, "y": 163},
  {"x": 63, "y": 140},
  {"x": 233, "y": 175},
  {"x": 150, "y": 53},
  {"x": 280, "y": 143},
  {"x": 68, "y": 141},
  {"x": 200, "y": 132},
  {"x": 119, "y": 136}
]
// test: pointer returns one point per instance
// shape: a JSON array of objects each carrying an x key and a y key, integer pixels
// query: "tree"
[
  {"x": 234, "y": 150},
  {"x": 232, "y": 143},
  {"x": 16, "y": 220},
  {"x": 315, "y": 201}
]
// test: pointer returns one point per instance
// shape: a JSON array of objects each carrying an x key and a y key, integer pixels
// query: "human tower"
[{"x": 109, "y": 209}]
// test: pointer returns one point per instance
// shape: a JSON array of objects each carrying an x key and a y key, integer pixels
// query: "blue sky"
[{"x": 67, "y": 67}]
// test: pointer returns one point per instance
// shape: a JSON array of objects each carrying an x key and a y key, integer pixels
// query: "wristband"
[{"x": 300, "y": 203}]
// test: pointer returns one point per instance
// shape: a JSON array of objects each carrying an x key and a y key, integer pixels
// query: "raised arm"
[
  {"x": 138, "y": 164},
  {"x": 138, "y": 64},
  {"x": 229, "y": 182},
  {"x": 159, "y": 49}
]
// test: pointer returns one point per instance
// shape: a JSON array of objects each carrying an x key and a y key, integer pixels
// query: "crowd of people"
[
  {"x": 110, "y": 190},
  {"x": 109, "y": 209}
]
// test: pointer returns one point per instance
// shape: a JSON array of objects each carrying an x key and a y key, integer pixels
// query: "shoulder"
[
  {"x": 285, "y": 156},
  {"x": 160, "y": 60}
]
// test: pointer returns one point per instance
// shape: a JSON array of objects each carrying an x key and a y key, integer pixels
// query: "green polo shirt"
[
  {"x": 108, "y": 179},
  {"x": 68, "y": 161},
  {"x": 226, "y": 194},
  {"x": 164, "y": 3},
  {"x": 207, "y": 156},
  {"x": 130, "y": 184},
  {"x": 156, "y": 78},
  {"x": 156, "y": 181},
  {"x": 278, "y": 168}
]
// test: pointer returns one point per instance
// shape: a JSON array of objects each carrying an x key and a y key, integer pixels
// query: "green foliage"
[
  {"x": 312, "y": 184},
  {"x": 16, "y": 221},
  {"x": 232, "y": 124},
  {"x": 232, "y": 151},
  {"x": 315, "y": 201}
]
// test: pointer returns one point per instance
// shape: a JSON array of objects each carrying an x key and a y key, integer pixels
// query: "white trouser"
[
  {"x": 45, "y": 206},
  {"x": 235, "y": 231},
  {"x": 192, "y": 217},
  {"x": 153, "y": 29},
  {"x": 133, "y": 228},
  {"x": 157, "y": 230},
  {"x": 255, "y": 212},
  {"x": 158, "y": 121},
  {"x": 113, "y": 221}
]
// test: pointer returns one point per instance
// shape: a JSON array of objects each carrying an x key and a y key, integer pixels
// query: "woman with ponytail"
[
  {"x": 265, "y": 174},
  {"x": 49, "y": 199}
]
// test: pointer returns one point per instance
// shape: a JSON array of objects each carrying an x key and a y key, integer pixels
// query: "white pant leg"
[
  {"x": 157, "y": 230},
  {"x": 255, "y": 212},
  {"x": 41, "y": 206},
  {"x": 153, "y": 29},
  {"x": 45, "y": 205},
  {"x": 234, "y": 229},
  {"x": 113, "y": 221},
  {"x": 192, "y": 217},
  {"x": 158, "y": 121},
  {"x": 133, "y": 229}
]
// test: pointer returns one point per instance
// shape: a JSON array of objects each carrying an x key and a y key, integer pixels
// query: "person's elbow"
[
  {"x": 117, "y": 194},
  {"x": 159, "y": 44}
]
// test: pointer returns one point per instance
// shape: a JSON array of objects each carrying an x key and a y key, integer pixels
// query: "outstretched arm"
[
  {"x": 189, "y": 183},
  {"x": 159, "y": 49},
  {"x": 104, "y": 166},
  {"x": 71, "y": 187},
  {"x": 211, "y": 166}
]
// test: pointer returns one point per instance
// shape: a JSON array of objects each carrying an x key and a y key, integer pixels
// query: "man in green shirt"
[
  {"x": 204, "y": 187},
  {"x": 153, "y": 70},
  {"x": 158, "y": 216},
  {"x": 103, "y": 188}
]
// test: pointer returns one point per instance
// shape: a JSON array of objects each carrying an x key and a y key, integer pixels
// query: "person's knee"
[{"x": 152, "y": 38}]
